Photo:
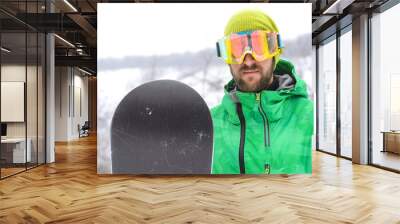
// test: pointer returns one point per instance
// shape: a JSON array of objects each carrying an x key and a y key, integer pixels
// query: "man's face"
[{"x": 251, "y": 75}]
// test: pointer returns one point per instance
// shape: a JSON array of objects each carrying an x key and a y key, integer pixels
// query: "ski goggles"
[{"x": 260, "y": 44}]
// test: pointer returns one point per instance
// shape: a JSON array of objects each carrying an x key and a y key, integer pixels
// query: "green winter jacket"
[{"x": 265, "y": 132}]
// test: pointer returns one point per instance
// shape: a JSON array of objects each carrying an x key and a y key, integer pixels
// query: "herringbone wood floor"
[{"x": 70, "y": 191}]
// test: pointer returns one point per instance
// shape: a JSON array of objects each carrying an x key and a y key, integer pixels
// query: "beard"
[{"x": 244, "y": 86}]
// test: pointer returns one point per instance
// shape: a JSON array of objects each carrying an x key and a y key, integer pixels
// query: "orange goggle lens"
[{"x": 260, "y": 44}]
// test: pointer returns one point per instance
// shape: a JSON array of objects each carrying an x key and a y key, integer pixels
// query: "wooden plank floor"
[
  {"x": 10, "y": 171},
  {"x": 70, "y": 191}
]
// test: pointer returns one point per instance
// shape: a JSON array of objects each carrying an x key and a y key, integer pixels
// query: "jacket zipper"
[
  {"x": 265, "y": 119},
  {"x": 239, "y": 111}
]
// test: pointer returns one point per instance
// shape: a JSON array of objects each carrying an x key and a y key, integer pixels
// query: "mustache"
[{"x": 246, "y": 67}]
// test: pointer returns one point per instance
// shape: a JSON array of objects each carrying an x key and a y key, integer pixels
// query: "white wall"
[
  {"x": 16, "y": 73},
  {"x": 71, "y": 94},
  {"x": 11, "y": 73},
  {"x": 33, "y": 126},
  {"x": 61, "y": 103},
  {"x": 81, "y": 102}
]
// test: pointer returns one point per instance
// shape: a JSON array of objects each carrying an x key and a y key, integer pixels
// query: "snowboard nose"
[{"x": 162, "y": 127}]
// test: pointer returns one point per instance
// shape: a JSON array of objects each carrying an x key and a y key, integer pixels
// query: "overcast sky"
[{"x": 159, "y": 29}]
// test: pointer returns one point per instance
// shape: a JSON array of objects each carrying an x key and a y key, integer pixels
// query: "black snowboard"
[{"x": 162, "y": 127}]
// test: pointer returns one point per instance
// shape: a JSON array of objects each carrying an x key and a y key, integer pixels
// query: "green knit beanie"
[{"x": 248, "y": 20}]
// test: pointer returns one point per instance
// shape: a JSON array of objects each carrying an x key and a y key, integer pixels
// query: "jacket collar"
[{"x": 272, "y": 101}]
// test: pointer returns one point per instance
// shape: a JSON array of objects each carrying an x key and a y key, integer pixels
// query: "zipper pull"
[
  {"x": 267, "y": 169},
  {"x": 258, "y": 97}
]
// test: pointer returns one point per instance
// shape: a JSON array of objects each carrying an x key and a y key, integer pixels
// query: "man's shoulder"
[
  {"x": 300, "y": 104},
  {"x": 302, "y": 111},
  {"x": 217, "y": 110},
  {"x": 300, "y": 101}
]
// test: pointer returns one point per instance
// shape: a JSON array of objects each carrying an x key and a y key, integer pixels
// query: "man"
[{"x": 264, "y": 123}]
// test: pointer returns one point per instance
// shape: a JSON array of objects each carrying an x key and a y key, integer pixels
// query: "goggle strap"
[
  {"x": 280, "y": 45},
  {"x": 218, "y": 50}
]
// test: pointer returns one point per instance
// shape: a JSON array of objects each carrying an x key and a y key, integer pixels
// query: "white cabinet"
[{"x": 18, "y": 145}]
